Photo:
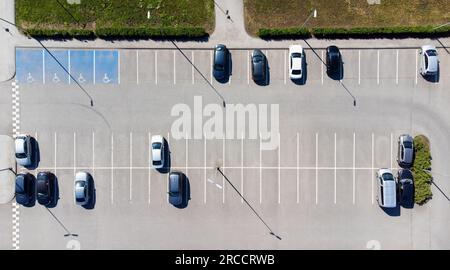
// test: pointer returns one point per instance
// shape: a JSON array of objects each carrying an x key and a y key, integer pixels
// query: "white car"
[
  {"x": 82, "y": 188},
  {"x": 387, "y": 188},
  {"x": 296, "y": 58},
  {"x": 428, "y": 60},
  {"x": 23, "y": 150},
  {"x": 158, "y": 151}
]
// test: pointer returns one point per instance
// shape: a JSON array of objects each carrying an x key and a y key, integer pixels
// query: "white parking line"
[
  {"x": 156, "y": 67},
  {"x": 260, "y": 168},
  {"x": 359, "y": 67},
  {"x": 248, "y": 67},
  {"x": 131, "y": 166},
  {"x": 285, "y": 56},
  {"x": 118, "y": 67},
  {"x": 378, "y": 66},
  {"x": 74, "y": 153},
  {"x": 417, "y": 71},
  {"x": 174, "y": 69},
  {"x": 192, "y": 66},
  {"x": 149, "y": 167},
  {"x": 211, "y": 67},
  {"x": 204, "y": 170},
  {"x": 354, "y": 160},
  {"x": 392, "y": 163},
  {"x": 321, "y": 67},
  {"x": 298, "y": 165},
  {"x": 223, "y": 164},
  {"x": 335, "y": 184},
  {"x": 43, "y": 66},
  {"x": 372, "y": 171},
  {"x": 55, "y": 146},
  {"x": 279, "y": 171},
  {"x": 93, "y": 70},
  {"x": 396, "y": 70},
  {"x": 68, "y": 66},
  {"x": 137, "y": 66},
  {"x": 112, "y": 168},
  {"x": 317, "y": 172},
  {"x": 93, "y": 154},
  {"x": 242, "y": 167}
]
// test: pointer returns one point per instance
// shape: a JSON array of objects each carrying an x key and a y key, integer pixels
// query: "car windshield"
[
  {"x": 156, "y": 162},
  {"x": 296, "y": 72},
  {"x": 20, "y": 186},
  {"x": 432, "y": 53},
  {"x": 21, "y": 155},
  {"x": 156, "y": 145},
  {"x": 408, "y": 145},
  {"x": 296, "y": 55},
  {"x": 257, "y": 59},
  {"x": 388, "y": 177}
]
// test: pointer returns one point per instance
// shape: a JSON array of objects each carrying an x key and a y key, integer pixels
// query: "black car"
[
  {"x": 221, "y": 66},
  {"x": 334, "y": 62},
  {"x": 25, "y": 189},
  {"x": 178, "y": 189},
  {"x": 405, "y": 188},
  {"x": 46, "y": 188},
  {"x": 259, "y": 67}
]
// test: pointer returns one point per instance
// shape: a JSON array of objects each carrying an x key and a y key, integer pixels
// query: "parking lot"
[{"x": 319, "y": 179}]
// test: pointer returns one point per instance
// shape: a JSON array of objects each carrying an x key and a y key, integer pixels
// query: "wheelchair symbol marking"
[
  {"x": 81, "y": 79},
  {"x": 30, "y": 78},
  {"x": 106, "y": 79},
  {"x": 55, "y": 78}
]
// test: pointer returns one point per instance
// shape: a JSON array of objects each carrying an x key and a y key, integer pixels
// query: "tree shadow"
[{"x": 167, "y": 160}]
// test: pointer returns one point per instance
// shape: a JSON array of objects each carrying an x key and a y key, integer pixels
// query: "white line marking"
[
  {"x": 285, "y": 71},
  {"x": 68, "y": 60},
  {"x": 223, "y": 178},
  {"x": 354, "y": 160},
  {"x": 211, "y": 66},
  {"x": 396, "y": 70},
  {"x": 131, "y": 166},
  {"x": 306, "y": 168},
  {"x": 372, "y": 171},
  {"x": 260, "y": 168},
  {"x": 149, "y": 166},
  {"x": 298, "y": 171},
  {"x": 174, "y": 68},
  {"x": 417, "y": 70},
  {"x": 55, "y": 146},
  {"x": 317, "y": 161},
  {"x": 93, "y": 154},
  {"x": 156, "y": 67},
  {"x": 242, "y": 167},
  {"x": 43, "y": 66},
  {"x": 118, "y": 67},
  {"x": 378, "y": 66},
  {"x": 137, "y": 66},
  {"x": 248, "y": 67},
  {"x": 359, "y": 67},
  {"x": 93, "y": 70},
  {"x": 321, "y": 67},
  {"x": 112, "y": 168},
  {"x": 74, "y": 153},
  {"x": 192, "y": 66},
  {"x": 204, "y": 170},
  {"x": 335, "y": 182},
  {"x": 279, "y": 171},
  {"x": 392, "y": 163}
]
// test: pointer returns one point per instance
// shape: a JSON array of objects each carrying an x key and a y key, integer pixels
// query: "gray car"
[
  {"x": 259, "y": 67},
  {"x": 23, "y": 150},
  {"x": 83, "y": 188},
  {"x": 405, "y": 154}
]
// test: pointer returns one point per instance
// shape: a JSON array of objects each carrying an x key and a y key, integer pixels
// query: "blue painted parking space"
[
  {"x": 53, "y": 67},
  {"x": 29, "y": 66},
  {"x": 54, "y": 73},
  {"x": 106, "y": 63}
]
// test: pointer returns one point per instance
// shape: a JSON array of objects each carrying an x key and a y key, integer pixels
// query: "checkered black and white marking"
[{"x": 15, "y": 129}]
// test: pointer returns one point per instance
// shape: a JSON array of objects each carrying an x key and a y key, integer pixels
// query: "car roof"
[
  {"x": 432, "y": 63},
  {"x": 390, "y": 193}
]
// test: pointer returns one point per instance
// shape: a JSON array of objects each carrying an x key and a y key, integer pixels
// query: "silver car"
[
  {"x": 429, "y": 60},
  {"x": 158, "y": 151},
  {"x": 23, "y": 150},
  {"x": 405, "y": 153},
  {"x": 387, "y": 188},
  {"x": 82, "y": 188}
]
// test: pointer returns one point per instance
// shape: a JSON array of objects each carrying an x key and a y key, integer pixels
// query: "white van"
[{"x": 387, "y": 188}]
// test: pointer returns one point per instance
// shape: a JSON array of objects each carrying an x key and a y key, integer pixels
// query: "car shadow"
[
  {"x": 167, "y": 161},
  {"x": 91, "y": 204},
  {"x": 304, "y": 78},
  {"x": 433, "y": 78},
  {"x": 393, "y": 212},
  {"x": 187, "y": 191},
  {"x": 36, "y": 158}
]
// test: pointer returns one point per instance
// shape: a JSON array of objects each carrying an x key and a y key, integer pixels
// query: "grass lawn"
[
  {"x": 344, "y": 13},
  {"x": 58, "y": 14}
]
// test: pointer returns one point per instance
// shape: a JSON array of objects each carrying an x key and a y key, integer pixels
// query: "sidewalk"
[{"x": 229, "y": 31}]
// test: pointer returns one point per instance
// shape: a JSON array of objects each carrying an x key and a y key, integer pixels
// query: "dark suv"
[
  {"x": 47, "y": 190},
  {"x": 25, "y": 189},
  {"x": 221, "y": 66},
  {"x": 334, "y": 62}
]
